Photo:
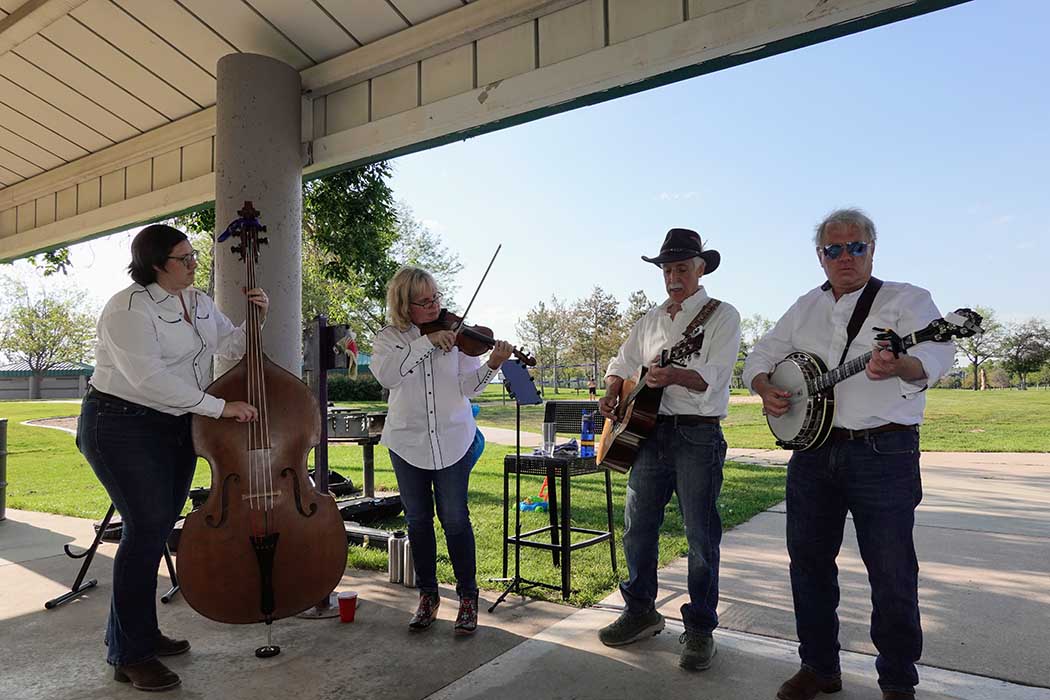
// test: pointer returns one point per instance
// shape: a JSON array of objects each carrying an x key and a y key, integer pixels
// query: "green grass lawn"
[
  {"x": 956, "y": 421},
  {"x": 46, "y": 473}
]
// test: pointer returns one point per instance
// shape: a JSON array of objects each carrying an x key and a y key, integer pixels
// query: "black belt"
[
  {"x": 688, "y": 420},
  {"x": 94, "y": 393},
  {"x": 841, "y": 434}
]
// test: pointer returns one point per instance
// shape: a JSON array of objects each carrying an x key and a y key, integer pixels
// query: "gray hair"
[{"x": 846, "y": 217}]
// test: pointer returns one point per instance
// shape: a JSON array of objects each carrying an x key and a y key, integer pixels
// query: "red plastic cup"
[{"x": 347, "y": 605}]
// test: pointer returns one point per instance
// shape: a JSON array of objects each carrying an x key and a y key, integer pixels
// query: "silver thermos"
[
  {"x": 408, "y": 567},
  {"x": 395, "y": 551}
]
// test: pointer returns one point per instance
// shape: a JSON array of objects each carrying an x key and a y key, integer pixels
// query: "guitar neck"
[{"x": 846, "y": 370}]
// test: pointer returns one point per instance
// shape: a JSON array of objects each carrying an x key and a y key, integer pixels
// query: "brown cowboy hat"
[{"x": 682, "y": 244}]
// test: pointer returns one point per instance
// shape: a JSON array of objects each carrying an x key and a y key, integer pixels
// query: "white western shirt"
[
  {"x": 148, "y": 354},
  {"x": 429, "y": 423},
  {"x": 816, "y": 324},
  {"x": 655, "y": 331}
]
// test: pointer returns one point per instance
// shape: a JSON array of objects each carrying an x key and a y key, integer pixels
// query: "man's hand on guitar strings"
[{"x": 658, "y": 377}]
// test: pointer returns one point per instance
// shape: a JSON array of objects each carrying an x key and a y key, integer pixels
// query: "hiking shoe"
[
  {"x": 426, "y": 612},
  {"x": 467, "y": 619},
  {"x": 698, "y": 652},
  {"x": 630, "y": 628}
]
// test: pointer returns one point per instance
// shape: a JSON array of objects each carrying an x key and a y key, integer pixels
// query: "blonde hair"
[{"x": 405, "y": 282}]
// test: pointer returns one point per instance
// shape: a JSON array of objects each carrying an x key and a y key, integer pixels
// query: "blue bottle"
[{"x": 587, "y": 434}]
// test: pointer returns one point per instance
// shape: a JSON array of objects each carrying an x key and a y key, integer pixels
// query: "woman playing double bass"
[
  {"x": 156, "y": 339},
  {"x": 432, "y": 437}
]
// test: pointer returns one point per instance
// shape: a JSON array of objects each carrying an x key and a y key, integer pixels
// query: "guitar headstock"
[{"x": 686, "y": 347}]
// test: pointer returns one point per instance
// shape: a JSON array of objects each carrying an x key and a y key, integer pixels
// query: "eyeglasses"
[
  {"x": 854, "y": 248},
  {"x": 428, "y": 303},
  {"x": 188, "y": 259}
]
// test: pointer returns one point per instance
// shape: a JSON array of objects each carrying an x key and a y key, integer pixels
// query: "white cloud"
[{"x": 672, "y": 196}]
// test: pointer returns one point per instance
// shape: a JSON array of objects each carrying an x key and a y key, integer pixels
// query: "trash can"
[{"x": 3, "y": 468}]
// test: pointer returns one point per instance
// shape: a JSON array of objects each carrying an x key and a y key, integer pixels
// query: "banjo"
[{"x": 808, "y": 420}]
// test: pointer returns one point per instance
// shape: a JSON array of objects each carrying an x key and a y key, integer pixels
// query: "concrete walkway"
[{"x": 983, "y": 534}]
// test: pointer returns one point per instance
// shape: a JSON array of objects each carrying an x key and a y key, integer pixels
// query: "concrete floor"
[{"x": 983, "y": 533}]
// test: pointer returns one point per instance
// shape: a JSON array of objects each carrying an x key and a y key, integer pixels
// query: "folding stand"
[
  {"x": 80, "y": 587},
  {"x": 520, "y": 387}
]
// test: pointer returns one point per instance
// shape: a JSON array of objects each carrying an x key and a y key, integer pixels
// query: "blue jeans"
[
  {"x": 420, "y": 490},
  {"x": 877, "y": 480},
  {"x": 145, "y": 460},
  {"x": 685, "y": 460}
]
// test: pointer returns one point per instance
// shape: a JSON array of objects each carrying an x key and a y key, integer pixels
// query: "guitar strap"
[
  {"x": 701, "y": 319},
  {"x": 860, "y": 312}
]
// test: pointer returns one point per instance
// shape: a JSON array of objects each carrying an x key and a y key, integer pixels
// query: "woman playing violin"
[
  {"x": 156, "y": 339},
  {"x": 431, "y": 434}
]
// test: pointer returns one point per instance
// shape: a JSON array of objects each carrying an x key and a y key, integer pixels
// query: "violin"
[{"x": 471, "y": 340}]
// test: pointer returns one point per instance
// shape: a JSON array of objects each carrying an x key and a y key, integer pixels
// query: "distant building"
[{"x": 66, "y": 380}]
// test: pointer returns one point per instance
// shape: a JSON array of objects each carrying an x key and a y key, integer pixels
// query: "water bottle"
[
  {"x": 408, "y": 567},
  {"x": 587, "y": 434},
  {"x": 395, "y": 552}
]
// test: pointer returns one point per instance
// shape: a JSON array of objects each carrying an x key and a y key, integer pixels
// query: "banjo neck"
[{"x": 825, "y": 381}]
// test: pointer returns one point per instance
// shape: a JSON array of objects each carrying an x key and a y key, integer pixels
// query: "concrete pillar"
[{"x": 258, "y": 158}]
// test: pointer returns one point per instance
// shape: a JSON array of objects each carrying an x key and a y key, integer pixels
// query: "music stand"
[
  {"x": 521, "y": 388},
  {"x": 89, "y": 554}
]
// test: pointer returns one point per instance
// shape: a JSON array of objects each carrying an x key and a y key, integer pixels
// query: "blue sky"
[{"x": 939, "y": 127}]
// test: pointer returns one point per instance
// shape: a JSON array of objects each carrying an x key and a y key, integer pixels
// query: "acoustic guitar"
[{"x": 639, "y": 405}]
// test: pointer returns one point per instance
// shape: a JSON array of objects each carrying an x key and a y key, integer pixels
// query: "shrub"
[{"x": 342, "y": 388}]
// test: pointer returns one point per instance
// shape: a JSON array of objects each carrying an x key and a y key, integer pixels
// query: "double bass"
[{"x": 266, "y": 544}]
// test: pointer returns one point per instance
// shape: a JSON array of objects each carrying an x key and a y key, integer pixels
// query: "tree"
[
  {"x": 597, "y": 332},
  {"x": 638, "y": 304},
  {"x": 544, "y": 330},
  {"x": 46, "y": 328},
  {"x": 752, "y": 329},
  {"x": 982, "y": 347},
  {"x": 355, "y": 236},
  {"x": 1025, "y": 348}
]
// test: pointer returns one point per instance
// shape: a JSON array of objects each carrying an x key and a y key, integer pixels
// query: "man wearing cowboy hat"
[{"x": 684, "y": 453}]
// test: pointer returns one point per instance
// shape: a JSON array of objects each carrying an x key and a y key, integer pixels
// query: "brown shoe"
[
  {"x": 148, "y": 675},
  {"x": 805, "y": 685},
  {"x": 426, "y": 612},
  {"x": 897, "y": 695},
  {"x": 166, "y": 646}
]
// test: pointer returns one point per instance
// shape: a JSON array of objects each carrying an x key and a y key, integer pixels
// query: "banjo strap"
[{"x": 860, "y": 312}]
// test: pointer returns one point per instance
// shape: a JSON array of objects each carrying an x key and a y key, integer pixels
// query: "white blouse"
[
  {"x": 429, "y": 422},
  {"x": 816, "y": 323},
  {"x": 656, "y": 331},
  {"x": 147, "y": 352}
]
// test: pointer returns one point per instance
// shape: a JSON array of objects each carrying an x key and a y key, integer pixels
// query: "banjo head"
[{"x": 789, "y": 376}]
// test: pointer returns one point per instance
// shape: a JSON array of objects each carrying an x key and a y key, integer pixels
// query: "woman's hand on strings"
[
  {"x": 258, "y": 297},
  {"x": 240, "y": 411},
  {"x": 501, "y": 352},
  {"x": 445, "y": 340}
]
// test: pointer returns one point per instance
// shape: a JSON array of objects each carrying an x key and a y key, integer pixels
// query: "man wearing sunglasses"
[{"x": 869, "y": 465}]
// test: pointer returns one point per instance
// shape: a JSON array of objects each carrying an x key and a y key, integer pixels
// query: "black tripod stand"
[
  {"x": 523, "y": 391},
  {"x": 87, "y": 555}
]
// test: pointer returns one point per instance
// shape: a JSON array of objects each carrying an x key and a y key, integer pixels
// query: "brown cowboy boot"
[
  {"x": 166, "y": 646},
  {"x": 147, "y": 675},
  {"x": 805, "y": 685},
  {"x": 426, "y": 612}
]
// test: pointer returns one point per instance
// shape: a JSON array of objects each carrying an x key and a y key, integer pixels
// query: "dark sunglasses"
[{"x": 854, "y": 248}]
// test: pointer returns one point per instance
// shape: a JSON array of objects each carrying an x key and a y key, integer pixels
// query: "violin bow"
[{"x": 463, "y": 317}]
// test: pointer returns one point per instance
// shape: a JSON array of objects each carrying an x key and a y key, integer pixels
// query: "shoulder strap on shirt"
[{"x": 860, "y": 312}]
